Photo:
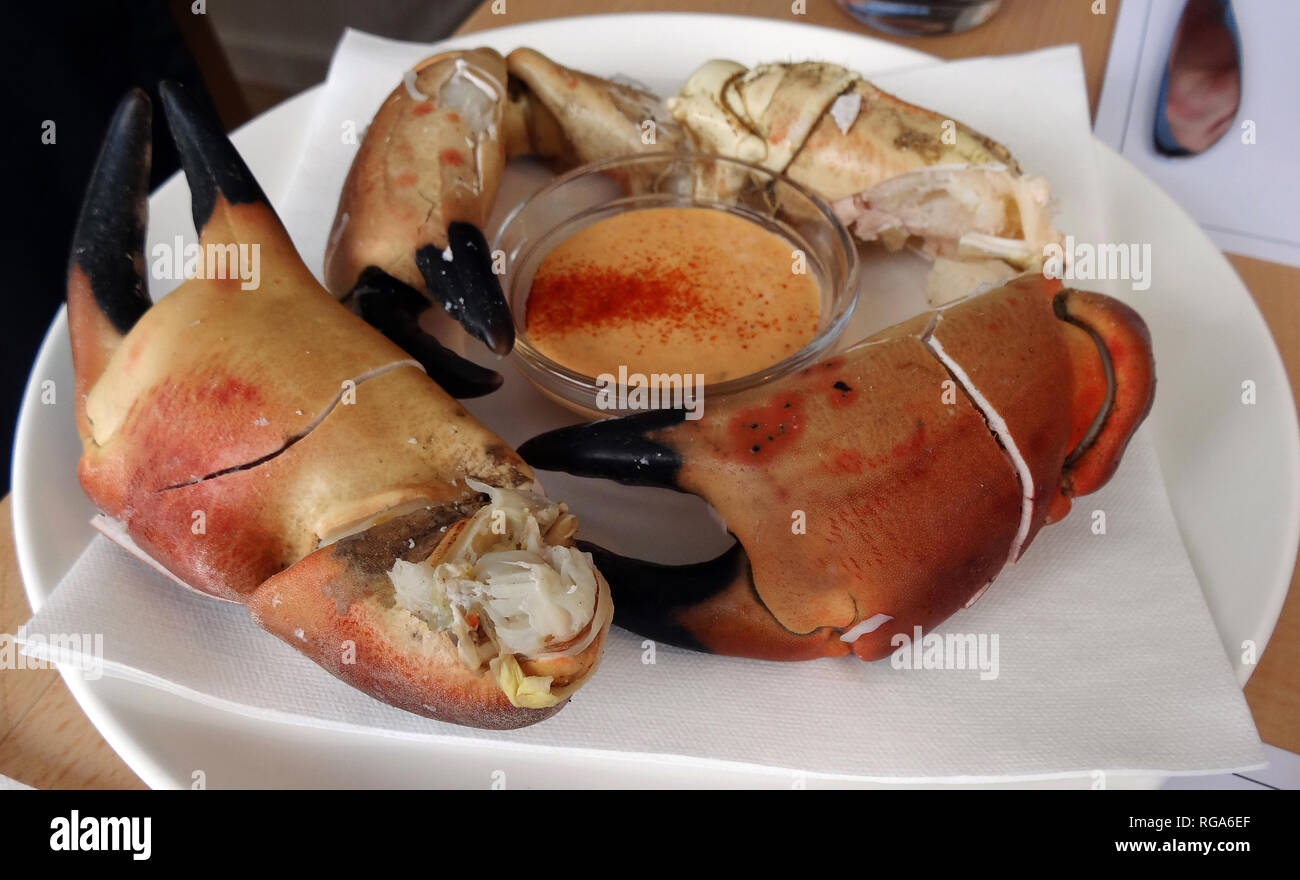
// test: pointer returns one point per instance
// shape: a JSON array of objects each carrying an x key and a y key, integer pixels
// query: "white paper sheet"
[{"x": 1243, "y": 194}]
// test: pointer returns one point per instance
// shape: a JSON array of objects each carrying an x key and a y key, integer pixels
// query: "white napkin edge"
[{"x": 72, "y": 663}]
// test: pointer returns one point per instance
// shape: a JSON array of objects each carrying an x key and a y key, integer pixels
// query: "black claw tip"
[
  {"x": 108, "y": 245},
  {"x": 212, "y": 164},
  {"x": 461, "y": 278},
  {"x": 394, "y": 309},
  {"x": 648, "y": 596},
  {"x": 616, "y": 449}
]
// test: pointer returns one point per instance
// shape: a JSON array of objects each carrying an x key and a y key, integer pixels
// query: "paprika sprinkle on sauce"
[{"x": 672, "y": 290}]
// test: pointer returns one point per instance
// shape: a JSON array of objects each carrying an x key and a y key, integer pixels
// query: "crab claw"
[
  {"x": 707, "y": 606},
  {"x": 107, "y": 292},
  {"x": 361, "y": 644},
  {"x": 254, "y": 439},
  {"x": 1123, "y": 346},
  {"x": 893, "y": 171},
  {"x": 574, "y": 117},
  {"x": 624, "y": 449},
  {"x": 421, "y": 188},
  {"x": 394, "y": 309},
  {"x": 215, "y": 169},
  {"x": 883, "y": 489},
  {"x": 461, "y": 273},
  {"x": 216, "y": 173},
  {"x": 823, "y": 125},
  {"x": 339, "y": 606}
]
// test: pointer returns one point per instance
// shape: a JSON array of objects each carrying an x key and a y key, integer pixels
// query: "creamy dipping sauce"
[{"x": 672, "y": 290}]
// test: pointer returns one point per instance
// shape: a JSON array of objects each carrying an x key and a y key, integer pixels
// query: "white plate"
[{"x": 1232, "y": 471}]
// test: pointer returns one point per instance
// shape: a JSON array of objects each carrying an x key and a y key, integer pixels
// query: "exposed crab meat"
[
  {"x": 511, "y": 588},
  {"x": 970, "y": 212},
  {"x": 845, "y": 110},
  {"x": 950, "y": 280}
]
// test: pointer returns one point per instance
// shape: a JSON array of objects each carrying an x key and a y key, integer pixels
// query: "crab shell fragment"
[
  {"x": 823, "y": 125},
  {"x": 921, "y": 460},
  {"x": 892, "y": 170},
  {"x": 265, "y": 446}
]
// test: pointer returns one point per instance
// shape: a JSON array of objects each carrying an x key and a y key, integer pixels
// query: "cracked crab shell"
[
  {"x": 336, "y": 606},
  {"x": 915, "y": 510},
  {"x": 577, "y": 117},
  {"x": 421, "y": 166},
  {"x": 822, "y": 125},
  {"x": 918, "y": 496},
  {"x": 251, "y": 385},
  {"x": 887, "y": 137}
]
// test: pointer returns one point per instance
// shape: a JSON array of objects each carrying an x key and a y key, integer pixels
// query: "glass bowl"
[{"x": 599, "y": 190}]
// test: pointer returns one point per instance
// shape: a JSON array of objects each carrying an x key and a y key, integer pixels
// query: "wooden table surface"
[{"x": 45, "y": 739}]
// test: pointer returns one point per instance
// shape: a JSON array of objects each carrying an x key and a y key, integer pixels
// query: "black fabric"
[{"x": 69, "y": 62}]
